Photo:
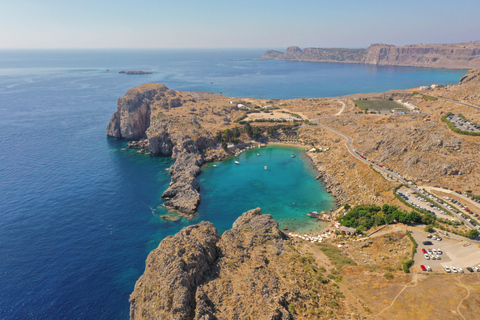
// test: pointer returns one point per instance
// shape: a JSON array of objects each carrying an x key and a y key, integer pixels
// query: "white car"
[
  {"x": 460, "y": 270},
  {"x": 476, "y": 269},
  {"x": 426, "y": 256},
  {"x": 434, "y": 251},
  {"x": 438, "y": 257},
  {"x": 428, "y": 268},
  {"x": 454, "y": 269},
  {"x": 447, "y": 269},
  {"x": 433, "y": 257},
  {"x": 434, "y": 237},
  {"x": 439, "y": 251}
]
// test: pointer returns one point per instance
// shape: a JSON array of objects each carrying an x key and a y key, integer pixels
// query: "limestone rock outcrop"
[
  {"x": 141, "y": 115},
  {"x": 200, "y": 275}
]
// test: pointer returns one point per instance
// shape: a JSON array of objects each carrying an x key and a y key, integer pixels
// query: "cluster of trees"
[
  {"x": 365, "y": 217},
  {"x": 232, "y": 135}
]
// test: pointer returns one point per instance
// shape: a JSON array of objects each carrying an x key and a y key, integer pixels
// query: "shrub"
[
  {"x": 388, "y": 275},
  {"x": 406, "y": 265}
]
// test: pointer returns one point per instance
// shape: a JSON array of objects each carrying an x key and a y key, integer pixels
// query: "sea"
[{"x": 79, "y": 213}]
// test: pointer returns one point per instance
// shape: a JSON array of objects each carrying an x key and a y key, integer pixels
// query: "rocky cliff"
[
  {"x": 454, "y": 56},
  {"x": 164, "y": 122},
  {"x": 247, "y": 273}
]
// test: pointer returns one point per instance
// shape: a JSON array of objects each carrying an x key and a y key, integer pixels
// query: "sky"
[{"x": 52, "y": 24}]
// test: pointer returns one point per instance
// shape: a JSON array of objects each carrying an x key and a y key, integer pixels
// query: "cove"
[{"x": 287, "y": 189}]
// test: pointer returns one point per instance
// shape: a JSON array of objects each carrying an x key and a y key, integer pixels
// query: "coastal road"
[
  {"x": 386, "y": 173},
  {"x": 348, "y": 143},
  {"x": 474, "y": 205},
  {"x": 454, "y": 101}
]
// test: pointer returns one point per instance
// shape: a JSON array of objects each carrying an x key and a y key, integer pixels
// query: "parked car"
[
  {"x": 427, "y": 243},
  {"x": 429, "y": 236},
  {"x": 470, "y": 269},
  {"x": 423, "y": 268},
  {"x": 424, "y": 251},
  {"x": 460, "y": 270},
  {"x": 447, "y": 269},
  {"x": 428, "y": 268},
  {"x": 454, "y": 269},
  {"x": 439, "y": 251},
  {"x": 426, "y": 256}
]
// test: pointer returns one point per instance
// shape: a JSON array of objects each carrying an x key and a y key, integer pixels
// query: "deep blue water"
[{"x": 78, "y": 215}]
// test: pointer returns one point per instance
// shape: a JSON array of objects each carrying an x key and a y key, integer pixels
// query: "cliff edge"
[
  {"x": 197, "y": 274},
  {"x": 464, "y": 55},
  {"x": 163, "y": 122}
]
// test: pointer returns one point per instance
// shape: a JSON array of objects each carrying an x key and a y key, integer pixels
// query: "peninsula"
[
  {"x": 402, "y": 168},
  {"x": 464, "y": 55}
]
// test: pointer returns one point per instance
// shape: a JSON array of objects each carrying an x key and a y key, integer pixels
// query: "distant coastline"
[
  {"x": 464, "y": 55},
  {"x": 134, "y": 72}
]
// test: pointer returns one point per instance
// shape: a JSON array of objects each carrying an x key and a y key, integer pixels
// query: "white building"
[{"x": 267, "y": 107}]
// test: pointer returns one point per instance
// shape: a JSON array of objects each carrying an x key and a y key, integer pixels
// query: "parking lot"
[
  {"x": 462, "y": 124},
  {"x": 421, "y": 203},
  {"x": 455, "y": 252}
]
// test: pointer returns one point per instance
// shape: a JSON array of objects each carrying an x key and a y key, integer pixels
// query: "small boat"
[
  {"x": 214, "y": 165},
  {"x": 236, "y": 162},
  {"x": 258, "y": 154},
  {"x": 313, "y": 214},
  {"x": 265, "y": 167},
  {"x": 293, "y": 156}
]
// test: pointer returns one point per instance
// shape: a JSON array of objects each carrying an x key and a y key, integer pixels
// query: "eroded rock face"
[
  {"x": 173, "y": 272},
  {"x": 197, "y": 274},
  {"x": 132, "y": 118},
  {"x": 457, "y": 55},
  {"x": 140, "y": 115}
]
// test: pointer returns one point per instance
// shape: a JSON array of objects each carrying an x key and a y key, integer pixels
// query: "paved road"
[
  {"x": 458, "y": 102},
  {"x": 466, "y": 200},
  {"x": 389, "y": 175}
]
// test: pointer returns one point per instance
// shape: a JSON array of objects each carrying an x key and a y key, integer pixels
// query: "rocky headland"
[
  {"x": 164, "y": 122},
  {"x": 250, "y": 272},
  {"x": 453, "y": 56}
]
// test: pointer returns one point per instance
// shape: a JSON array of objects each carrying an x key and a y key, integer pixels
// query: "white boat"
[
  {"x": 214, "y": 165},
  {"x": 236, "y": 162}
]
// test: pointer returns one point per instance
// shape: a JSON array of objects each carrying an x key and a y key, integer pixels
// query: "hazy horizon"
[{"x": 211, "y": 24}]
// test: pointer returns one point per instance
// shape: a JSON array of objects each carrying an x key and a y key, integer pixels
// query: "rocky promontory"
[
  {"x": 165, "y": 122},
  {"x": 464, "y": 55},
  {"x": 198, "y": 274}
]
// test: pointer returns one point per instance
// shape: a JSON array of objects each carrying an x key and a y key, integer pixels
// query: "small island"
[{"x": 134, "y": 72}]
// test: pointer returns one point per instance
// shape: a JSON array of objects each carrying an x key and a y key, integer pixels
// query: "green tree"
[
  {"x": 228, "y": 134},
  {"x": 257, "y": 133},
  {"x": 472, "y": 234},
  {"x": 224, "y": 145},
  {"x": 429, "y": 228},
  {"x": 248, "y": 129},
  {"x": 236, "y": 132},
  {"x": 272, "y": 130}
]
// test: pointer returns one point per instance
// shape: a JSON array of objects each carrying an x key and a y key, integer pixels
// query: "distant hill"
[{"x": 464, "y": 55}]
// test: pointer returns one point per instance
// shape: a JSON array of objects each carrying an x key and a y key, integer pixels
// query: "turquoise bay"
[{"x": 286, "y": 189}]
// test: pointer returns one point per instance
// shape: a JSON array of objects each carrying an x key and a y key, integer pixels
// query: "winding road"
[{"x": 387, "y": 174}]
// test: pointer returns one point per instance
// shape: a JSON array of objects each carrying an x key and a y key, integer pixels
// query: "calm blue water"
[{"x": 78, "y": 215}]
